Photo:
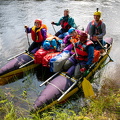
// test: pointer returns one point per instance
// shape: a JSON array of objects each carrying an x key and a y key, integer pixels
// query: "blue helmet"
[
  {"x": 46, "y": 45},
  {"x": 71, "y": 30}
]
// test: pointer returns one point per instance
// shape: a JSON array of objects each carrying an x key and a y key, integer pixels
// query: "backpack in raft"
[
  {"x": 57, "y": 62},
  {"x": 96, "y": 56},
  {"x": 38, "y": 56}
]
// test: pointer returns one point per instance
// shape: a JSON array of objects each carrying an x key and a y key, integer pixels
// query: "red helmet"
[
  {"x": 83, "y": 36},
  {"x": 38, "y": 21}
]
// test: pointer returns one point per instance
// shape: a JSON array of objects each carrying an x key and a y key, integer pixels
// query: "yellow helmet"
[{"x": 97, "y": 13}]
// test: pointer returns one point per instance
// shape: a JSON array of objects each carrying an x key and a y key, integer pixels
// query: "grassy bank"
[{"x": 103, "y": 107}]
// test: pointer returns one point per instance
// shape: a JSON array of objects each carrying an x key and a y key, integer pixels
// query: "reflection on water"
[{"x": 13, "y": 40}]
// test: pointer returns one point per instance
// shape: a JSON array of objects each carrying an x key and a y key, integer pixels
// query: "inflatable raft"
[
  {"x": 60, "y": 86},
  {"x": 16, "y": 65}
]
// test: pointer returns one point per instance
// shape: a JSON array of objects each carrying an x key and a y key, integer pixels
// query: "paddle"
[
  {"x": 105, "y": 51},
  {"x": 54, "y": 28},
  {"x": 87, "y": 88},
  {"x": 27, "y": 37}
]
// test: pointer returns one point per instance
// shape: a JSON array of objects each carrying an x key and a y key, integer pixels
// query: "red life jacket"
[
  {"x": 37, "y": 34},
  {"x": 65, "y": 25},
  {"x": 81, "y": 50}
]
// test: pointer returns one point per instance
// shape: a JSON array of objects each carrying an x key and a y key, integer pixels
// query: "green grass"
[{"x": 103, "y": 107}]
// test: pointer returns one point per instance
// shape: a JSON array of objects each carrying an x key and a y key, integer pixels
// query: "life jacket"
[
  {"x": 80, "y": 48},
  {"x": 65, "y": 25},
  {"x": 76, "y": 38},
  {"x": 36, "y": 34},
  {"x": 96, "y": 29}
]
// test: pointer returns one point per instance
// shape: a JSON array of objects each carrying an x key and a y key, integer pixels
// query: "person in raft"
[
  {"x": 73, "y": 37},
  {"x": 38, "y": 35},
  {"x": 66, "y": 23},
  {"x": 97, "y": 29},
  {"x": 78, "y": 63}
]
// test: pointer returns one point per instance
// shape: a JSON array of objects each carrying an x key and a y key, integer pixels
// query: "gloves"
[
  {"x": 82, "y": 70},
  {"x": 52, "y": 23},
  {"x": 25, "y": 26},
  {"x": 94, "y": 38}
]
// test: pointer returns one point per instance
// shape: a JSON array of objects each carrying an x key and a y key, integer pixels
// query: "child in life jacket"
[{"x": 73, "y": 37}]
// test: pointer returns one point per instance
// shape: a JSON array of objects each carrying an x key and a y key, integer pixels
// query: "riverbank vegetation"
[{"x": 103, "y": 107}]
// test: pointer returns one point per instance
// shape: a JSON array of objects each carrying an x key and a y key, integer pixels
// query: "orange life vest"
[
  {"x": 37, "y": 34},
  {"x": 81, "y": 50},
  {"x": 76, "y": 38},
  {"x": 96, "y": 29}
]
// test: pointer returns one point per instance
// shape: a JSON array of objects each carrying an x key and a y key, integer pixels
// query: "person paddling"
[
  {"x": 84, "y": 55},
  {"x": 38, "y": 35},
  {"x": 97, "y": 29},
  {"x": 66, "y": 23}
]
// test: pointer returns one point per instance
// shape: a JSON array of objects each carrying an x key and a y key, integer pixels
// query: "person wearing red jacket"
[{"x": 38, "y": 35}]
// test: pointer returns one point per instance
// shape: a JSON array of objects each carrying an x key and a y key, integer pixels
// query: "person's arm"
[
  {"x": 90, "y": 51},
  {"x": 72, "y": 22},
  {"x": 57, "y": 24},
  {"x": 66, "y": 39},
  {"x": 28, "y": 30},
  {"x": 88, "y": 29},
  {"x": 44, "y": 33}
]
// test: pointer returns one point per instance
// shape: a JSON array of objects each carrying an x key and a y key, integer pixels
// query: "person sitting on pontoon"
[
  {"x": 97, "y": 29},
  {"x": 82, "y": 59},
  {"x": 66, "y": 23},
  {"x": 38, "y": 35}
]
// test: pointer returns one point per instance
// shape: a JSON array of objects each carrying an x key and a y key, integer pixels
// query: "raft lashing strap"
[{"x": 56, "y": 87}]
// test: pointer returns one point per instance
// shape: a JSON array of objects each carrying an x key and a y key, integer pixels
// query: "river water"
[{"x": 14, "y": 14}]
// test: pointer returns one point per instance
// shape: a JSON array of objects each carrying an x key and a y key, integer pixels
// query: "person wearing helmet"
[
  {"x": 73, "y": 37},
  {"x": 97, "y": 29},
  {"x": 38, "y": 35},
  {"x": 82, "y": 59},
  {"x": 66, "y": 23}
]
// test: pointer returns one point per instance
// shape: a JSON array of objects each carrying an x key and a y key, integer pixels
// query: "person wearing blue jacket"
[{"x": 66, "y": 23}]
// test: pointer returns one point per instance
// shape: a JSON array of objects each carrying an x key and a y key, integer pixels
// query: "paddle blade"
[{"x": 87, "y": 88}]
